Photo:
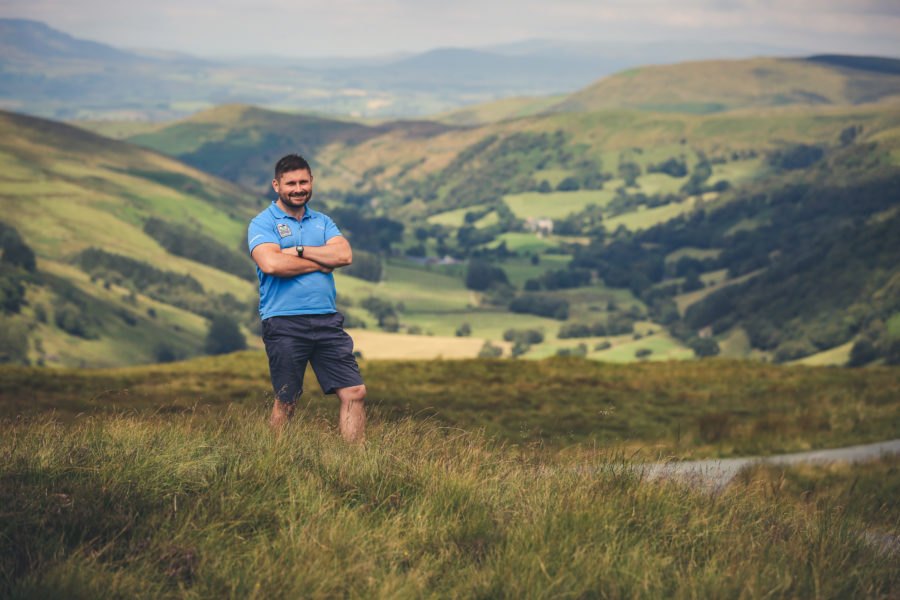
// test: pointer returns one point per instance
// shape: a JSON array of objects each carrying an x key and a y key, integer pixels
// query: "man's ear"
[{"x": 275, "y": 185}]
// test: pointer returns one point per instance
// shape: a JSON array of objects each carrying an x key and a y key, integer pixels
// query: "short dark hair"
[{"x": 291, "y": 162}]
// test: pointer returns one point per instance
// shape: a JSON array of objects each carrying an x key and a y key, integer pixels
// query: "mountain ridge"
[{"x": 162, "y": 86}]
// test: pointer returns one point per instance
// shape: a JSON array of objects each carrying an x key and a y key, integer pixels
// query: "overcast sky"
[{"x": 377, "y": 27}]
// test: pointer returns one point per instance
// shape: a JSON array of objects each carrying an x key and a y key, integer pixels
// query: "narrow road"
[{"x": 714, "y": 474}]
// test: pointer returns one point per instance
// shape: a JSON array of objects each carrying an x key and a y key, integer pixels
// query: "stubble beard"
[{"x": 296, "y": 201}]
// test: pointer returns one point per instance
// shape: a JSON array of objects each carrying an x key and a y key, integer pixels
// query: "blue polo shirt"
[{"x": 309, "y": 294}]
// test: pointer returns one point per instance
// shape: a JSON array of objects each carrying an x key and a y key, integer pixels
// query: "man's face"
[{"x": 294, "y": 188}]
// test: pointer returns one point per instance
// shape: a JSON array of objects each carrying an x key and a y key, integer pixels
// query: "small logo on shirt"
[
  {"x": 284, "y": 230},
  {"x": 321, "y": 227}
]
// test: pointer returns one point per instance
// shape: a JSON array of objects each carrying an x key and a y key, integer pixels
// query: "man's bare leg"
[
  {"x": 353, "y": 412},
  {"x": 281, "y": 414}
]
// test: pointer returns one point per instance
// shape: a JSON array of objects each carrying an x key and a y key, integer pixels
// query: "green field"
[
  {"x": 456, "y": 218},
  {"x": 644, "y": 218},
  {"x": 557, "y": 205}
]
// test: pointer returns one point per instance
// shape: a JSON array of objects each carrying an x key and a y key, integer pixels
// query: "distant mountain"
[
  {"x": 24, "y": 42},
  {"x": 49, "y": 73}
]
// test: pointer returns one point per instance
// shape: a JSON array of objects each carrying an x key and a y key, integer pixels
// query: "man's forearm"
[
  {"x": 331, "y": 256},
  {"x": 290, "y": 265}
]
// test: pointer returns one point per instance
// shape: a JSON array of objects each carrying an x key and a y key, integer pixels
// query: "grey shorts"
[{"x": 292, "y": 341}]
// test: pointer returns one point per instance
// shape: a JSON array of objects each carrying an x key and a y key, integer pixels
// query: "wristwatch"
[{"x": 300, "y": 251}]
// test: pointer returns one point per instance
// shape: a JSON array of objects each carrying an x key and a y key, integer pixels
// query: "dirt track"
[{"x": 715, "y": 474}]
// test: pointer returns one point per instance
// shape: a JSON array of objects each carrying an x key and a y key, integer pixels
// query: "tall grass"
[
  {"x": 693, "y": 409},
  {"x": 184, "y": 506}
]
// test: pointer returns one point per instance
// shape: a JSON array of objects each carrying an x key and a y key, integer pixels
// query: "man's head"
[{"x": 293, "y": 181}]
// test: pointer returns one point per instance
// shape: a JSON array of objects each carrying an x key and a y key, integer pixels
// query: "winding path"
[{"x": 714, "y": 474}]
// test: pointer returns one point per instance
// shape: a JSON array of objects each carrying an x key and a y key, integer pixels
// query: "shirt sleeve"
[{"x": 261, "y": 233}]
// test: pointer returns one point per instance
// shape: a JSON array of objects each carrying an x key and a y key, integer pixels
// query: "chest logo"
[{"x": 284, "y": 230}]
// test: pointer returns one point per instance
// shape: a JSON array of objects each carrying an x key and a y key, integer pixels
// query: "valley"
[{"x": 584, "y": 227}]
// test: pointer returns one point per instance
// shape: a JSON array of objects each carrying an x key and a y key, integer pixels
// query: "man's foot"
[{"x": 281, "y": 415}]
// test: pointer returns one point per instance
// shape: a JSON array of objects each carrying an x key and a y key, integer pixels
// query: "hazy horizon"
[{"x": 359, "y": 29}]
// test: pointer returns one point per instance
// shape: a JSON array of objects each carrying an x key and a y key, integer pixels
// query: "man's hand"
[
  {"x": 284, "y": 262},
  {"x": 335, "y": 253},
  {"x": 292, "y": 251}
]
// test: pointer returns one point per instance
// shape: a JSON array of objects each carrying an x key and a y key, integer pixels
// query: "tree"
[
  {"x": 13, "y": 341},
  {"x": 224, "y": 336},
  {"x": 704, "y": 347},
  {"x": 569, "y": 184},
  {"x": 488, "y": 350},
  {"x": 629, "y": 171},
  {"x": 481, "y": 275},
  {"x": 366, "y": 265}
]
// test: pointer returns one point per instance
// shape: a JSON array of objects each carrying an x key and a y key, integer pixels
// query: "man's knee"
[{"x": 356, "y": 393}]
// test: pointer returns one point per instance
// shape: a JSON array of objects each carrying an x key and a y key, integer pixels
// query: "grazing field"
[
  {"x": 557, "y": 205},
  {"x": 378, "y": 345}
]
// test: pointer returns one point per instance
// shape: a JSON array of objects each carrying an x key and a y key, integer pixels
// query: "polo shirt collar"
[{"x": 280, "y": 214}]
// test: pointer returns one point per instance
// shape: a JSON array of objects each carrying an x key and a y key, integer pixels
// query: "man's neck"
[{"x": 297, "y": 213}]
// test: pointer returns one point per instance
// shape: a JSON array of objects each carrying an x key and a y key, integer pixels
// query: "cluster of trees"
[
  {"x": 17, "y": 266},
  {"x": 624, "y": 202},
  {"x": 829, "y": 259},
  {"x": 616, "y": 324},
  {"x": 522, "y": 339},
  {"x": 800, "y": 156},
  {"x": 187, "y": 242},
  {"x": 482, "y": 275},
  {"x": 498, "y": 165},
  {"x": 384, "y": 311},
  {"x": 673, "y": 167},
  {"x": 181, "y": 290},
  {"x": 542, "y": 305},
  {"x": 366, "y": 265},
  {"x": 223, "y": 336},
  {"x": 375, "y": 234},
  {"x": 559, "y": 279}
]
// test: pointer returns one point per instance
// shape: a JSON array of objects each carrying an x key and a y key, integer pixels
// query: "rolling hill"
[
  {"x": 241, "y": 143},
  {"x": 762, "y": 230},
  {"x": 713, "y": 86},
  {"x": 640, "y": 182},
  {"x": 716, "y": 86},
  {"x": 107, "y": 289}
]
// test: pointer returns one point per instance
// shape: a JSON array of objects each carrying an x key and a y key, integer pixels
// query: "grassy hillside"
[
  {"x": 695, "y": 409},
  {"x": 242, "y": 143},
  {"x": 600, "y": 176},
  {"x": 223, "y": 509},
  {"x": 154, "y": 481},
  {"x": 582, "y": 211},
  {"x": 722, "y": 85},
  {"x": 66, "y": 191},
  {"x": 712, "y": 86}
]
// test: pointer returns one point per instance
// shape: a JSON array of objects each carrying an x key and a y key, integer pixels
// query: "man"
[{"x": 296, "y": 249}]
